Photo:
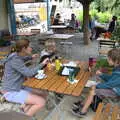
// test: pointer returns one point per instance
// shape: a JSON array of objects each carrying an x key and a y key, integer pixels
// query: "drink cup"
[
  {"x": 90, "y": 61},
  {"x": 49, "y": 66}
]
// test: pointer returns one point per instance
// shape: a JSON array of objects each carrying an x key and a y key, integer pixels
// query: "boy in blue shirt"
[{"x": 109, "y": 88}]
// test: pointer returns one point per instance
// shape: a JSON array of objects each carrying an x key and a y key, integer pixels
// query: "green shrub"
[
  {"x": 93, "y": 13},
  {"x": 102, "y": 62},
  {"x": 104, "y": 17},
  {"x": 79, "y": 16},
  {"x": 116, "y": 33}
]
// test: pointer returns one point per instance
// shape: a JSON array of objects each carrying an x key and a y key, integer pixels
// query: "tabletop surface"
[
  {"x": 58, "y": 26},
  {"x": 26, "y": 34},
  {"x": 59, "y": 84},
  {"x": 61, "y": 36}
]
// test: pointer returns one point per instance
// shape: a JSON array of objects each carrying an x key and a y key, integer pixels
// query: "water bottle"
[
  {"x": 71, "y": 75},
  {"x": 57, "y": 64},
  {"x": 90, "y": 61}
]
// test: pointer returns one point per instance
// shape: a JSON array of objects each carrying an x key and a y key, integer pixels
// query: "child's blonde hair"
[
  {"x": 50, "y": 44},
  {"x": 114, "y": 55}
]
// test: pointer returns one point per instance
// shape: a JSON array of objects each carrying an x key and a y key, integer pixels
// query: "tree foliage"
[{"x": 106, "y": 5}]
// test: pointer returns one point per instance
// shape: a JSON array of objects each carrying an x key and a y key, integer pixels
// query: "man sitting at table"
[
  {"x": 57, "y": 20},
  {"x": 110, "y": 29},
  {"x": 14, "y": 76},
  {"x": 109, "y": 88}
]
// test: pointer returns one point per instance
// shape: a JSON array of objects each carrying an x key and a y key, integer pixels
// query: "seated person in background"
[
  {"x": 72, "y": 23},
  {"x": 112, "y": 24},
  {"x": 109, "y": 88},
  {"x": 49, "y": 50},
  {"x": 51, "y": 53},
  {"x": 57, "y": 20},
  {"x": 110, "y": 29},
  {"x": 14, "y": 75},
  {"x": 91, "y": 27}
]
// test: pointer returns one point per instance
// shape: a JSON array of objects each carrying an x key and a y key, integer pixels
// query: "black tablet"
[{"x": 64, "y": 70}]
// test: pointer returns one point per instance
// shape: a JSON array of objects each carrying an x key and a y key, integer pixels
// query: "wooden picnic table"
[
  {"x": 61, "y": 36},
  {"x": 59, "y": 84},
  {"x": 25, "y": 34},
  {"x": 58, "y": 28}
]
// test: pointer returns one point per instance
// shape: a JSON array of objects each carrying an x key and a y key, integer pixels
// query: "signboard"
[
  {"x": 31, "y": 16},
  {"x": 23, "y": 1}
]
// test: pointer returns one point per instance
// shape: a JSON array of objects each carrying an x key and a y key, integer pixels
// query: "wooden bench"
[
  {"x": 108, "y": 43},
  {"x": 107, "y": 112},
  {"x": 35, "y": 31},
  {"x": 105, "y": 45},
  {"x": 4, "y": 53}
]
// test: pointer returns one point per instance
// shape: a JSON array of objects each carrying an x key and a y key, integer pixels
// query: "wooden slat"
[
  {"x": 2, "y": 57},
  {"x": 51, "y": 82},
  {"x": 4, "y": 53},
  {"x": 77, "y": 91},
  {"x": 57, "y": 84},
  {"x": 115, "y": 112},
  {"x": 71, "y": 87},
  {"x": 34, "y": 82},
  {"x": 107, "y": 112},
  {"x": 62, "y": 87},
  {"x": 28, "y": 82},
  {"x": 98, "y": 112},
  {"x": 41, "y": 83}
]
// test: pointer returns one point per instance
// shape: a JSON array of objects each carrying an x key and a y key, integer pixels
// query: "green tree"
[
  {"x": 86, "y": 5},
  {"x": 106, "y": 5}
]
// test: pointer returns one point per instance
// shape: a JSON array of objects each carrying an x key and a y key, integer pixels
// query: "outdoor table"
[
  {"x": 62, "y": 42},
  {"x": 58, "y": 28},
  {"x": 25, "y": 34},
  {"x": 61, "y": 36},
  {"x": 59, "y": 84}
]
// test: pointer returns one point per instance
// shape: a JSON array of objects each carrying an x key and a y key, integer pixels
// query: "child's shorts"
[
  {"x": 18, "y": 96},
  {"x": 105, "y": 93}
]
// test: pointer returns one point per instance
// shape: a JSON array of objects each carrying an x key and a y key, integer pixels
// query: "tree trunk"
[{"x": 86, "y": 23}]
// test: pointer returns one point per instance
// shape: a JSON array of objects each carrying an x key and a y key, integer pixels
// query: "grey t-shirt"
[{"x": 15, "y": 72}]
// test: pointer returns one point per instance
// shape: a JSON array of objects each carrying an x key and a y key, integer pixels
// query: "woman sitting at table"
[
  {"x": 14, "y": 76},
  {"x": 109, "y": 88}
]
